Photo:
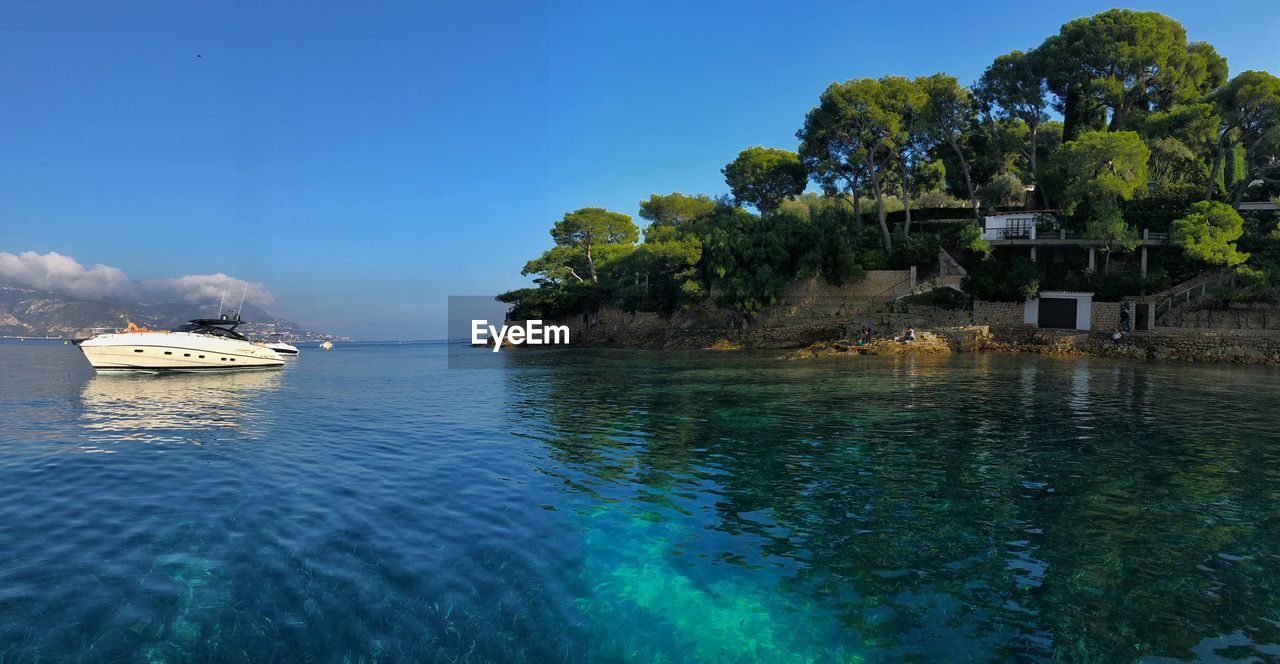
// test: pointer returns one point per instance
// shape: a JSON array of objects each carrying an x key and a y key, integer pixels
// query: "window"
[
  {"x": 1019, "y": 228},
  {"x": 168, "y": 352},
  {"x": 137, "y": 350},
  {"x": 202, "y": 357},
  {"x": 186, "y": 354}
]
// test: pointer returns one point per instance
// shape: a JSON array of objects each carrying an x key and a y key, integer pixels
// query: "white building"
[
  {"x": 1015, "y": 226},
  {"x": 1061, "y": 310}
]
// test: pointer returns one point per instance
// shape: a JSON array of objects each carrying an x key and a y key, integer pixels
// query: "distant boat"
[
  {"x": 281, "y": 347},
  {"x": 327, "y": 345},
  {"x": 203, "y": 344}
]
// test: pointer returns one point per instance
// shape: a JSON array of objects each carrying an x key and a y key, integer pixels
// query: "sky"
[{"x": 360, "y": 162}]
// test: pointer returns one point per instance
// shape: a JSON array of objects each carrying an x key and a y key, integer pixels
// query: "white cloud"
[
  {"x": 63, "y": 274},
  {"x": 208, "y": 287}
]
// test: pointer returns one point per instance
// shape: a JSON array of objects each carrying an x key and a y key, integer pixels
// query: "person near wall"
[
  {"x": 1115, "y": 338},
  {"x": 1124, "y": 318},
  {"x": 908, "y": 336},
  {"x": 864, "y": 334}
]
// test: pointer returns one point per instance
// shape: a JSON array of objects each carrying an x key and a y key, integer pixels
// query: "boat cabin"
[{"x": 214, "y": 327}]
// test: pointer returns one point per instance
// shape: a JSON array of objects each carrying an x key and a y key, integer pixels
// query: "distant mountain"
[{"x": 30, "y": 312}]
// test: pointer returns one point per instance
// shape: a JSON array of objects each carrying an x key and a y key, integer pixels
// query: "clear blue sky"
[{"x": 365, "y": 160}]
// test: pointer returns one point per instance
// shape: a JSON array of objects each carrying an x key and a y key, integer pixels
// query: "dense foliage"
[{"x": 1117, "y": 123}]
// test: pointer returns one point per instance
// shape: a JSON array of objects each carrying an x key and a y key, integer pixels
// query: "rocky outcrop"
[
  {"x": 1173, "y": 345},
  {"x": 925, "y": 344},
  {"x": 807, "y": 312},
  {"x": 939, "y": 342}
]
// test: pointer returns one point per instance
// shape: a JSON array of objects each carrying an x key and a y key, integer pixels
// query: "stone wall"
[
  {"x": 920, "y": 316},
  {"x": 807, "y": 311},
  {"x": 1238, "y": 347},
  {"x": 1106, "y": 316},
  {"x": 998, "y": 314},
  {"x": 1236, "y": 316}
]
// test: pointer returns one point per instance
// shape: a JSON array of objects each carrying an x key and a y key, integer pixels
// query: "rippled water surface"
[{"x": 369, "y": 503}]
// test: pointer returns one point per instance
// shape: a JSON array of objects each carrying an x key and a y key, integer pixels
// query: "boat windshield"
[{"x": 211, "y": 330}]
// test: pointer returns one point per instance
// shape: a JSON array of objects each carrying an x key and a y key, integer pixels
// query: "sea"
[{"x": 394, "y": 503}]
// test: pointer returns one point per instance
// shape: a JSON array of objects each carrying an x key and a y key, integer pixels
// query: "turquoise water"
[{"x": 370, "y": 504}]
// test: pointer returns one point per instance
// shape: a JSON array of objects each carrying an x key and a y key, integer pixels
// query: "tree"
[
  {"x": 588, "y": 229},
  {"x": 852, "y": 134},
  {"x": 951, "y": 111},
  {"x": 1013, "y": 87},
  {"x": 675, "y": 208},
  {"x": 1102, "y": 168},
  {"x": 1174, "y": 162},
  {"x": 764, "y": 177},
  {"x": 1110, "y": 69},
  {"x": 1108, "y": 225},
  {"x": 1002, "y": 191},
  {"x": 911, "y": 145},
  {"x": 1182, "y": 142},
  {"x": 994, "y": 147},
  {"x": 1209, "y": 233},
  {"x": 1249, "y": 109},
  {"x": 747, "y": 262}
]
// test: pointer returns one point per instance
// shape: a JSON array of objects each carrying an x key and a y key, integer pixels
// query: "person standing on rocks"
[{"x": 1124, "y": 318}]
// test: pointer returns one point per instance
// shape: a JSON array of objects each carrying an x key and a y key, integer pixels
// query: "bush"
[
  {"x": 1014, "y": 280},
  {"x": 1118, "y": 284},
  {"x": 917, "y": 215},
  {"x": 918, "y": 249},
  {"x": 1156, "y": 210},
  {"x": 1001, "y": 191},
  {"x": 872, "y": 259}
]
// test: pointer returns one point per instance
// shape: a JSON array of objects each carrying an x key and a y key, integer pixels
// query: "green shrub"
[
  {"x": 1013, "y": 280},
  {"x": 1118, "y": 284},
  {"x": 872, "y": 259},
  {"x": 920, "y": 249},
  {"x": 1002, "y": 191},
  {"x": 1156, "y": 210}
]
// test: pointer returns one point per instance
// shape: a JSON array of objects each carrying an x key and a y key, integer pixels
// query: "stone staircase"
[{"x": 1172, "y": 305}]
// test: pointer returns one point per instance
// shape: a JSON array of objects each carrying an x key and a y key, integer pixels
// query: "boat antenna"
[
  {"x": 242, "y": 294},
  {"x": 221, "y": 300}
]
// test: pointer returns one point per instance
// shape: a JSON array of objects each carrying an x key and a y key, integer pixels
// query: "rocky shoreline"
[{"x": 1174, "y": 345}]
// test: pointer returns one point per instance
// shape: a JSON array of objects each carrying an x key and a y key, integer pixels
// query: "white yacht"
[
  {"x": 203, "y": 344},
  {"x": 282, "y": 347}
]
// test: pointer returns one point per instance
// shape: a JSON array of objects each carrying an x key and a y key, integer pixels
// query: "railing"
[
  {"x": 1188, "y": 292},
  {"x": 1061, "y": 234},
  {"x": 1012, "y": 233}
]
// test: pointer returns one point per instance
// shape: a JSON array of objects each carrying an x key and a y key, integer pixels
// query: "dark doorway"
[
  {"x": 1143, "y": 316},
  {"x": 1058, "y": 313}
]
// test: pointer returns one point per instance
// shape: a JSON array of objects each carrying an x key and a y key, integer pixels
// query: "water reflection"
[
  {"x": 174, "y": 407},
  {"x": 1055, "y": 509}
]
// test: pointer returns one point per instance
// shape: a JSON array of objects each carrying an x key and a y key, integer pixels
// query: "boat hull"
[{"x": 175, "y": 351}]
